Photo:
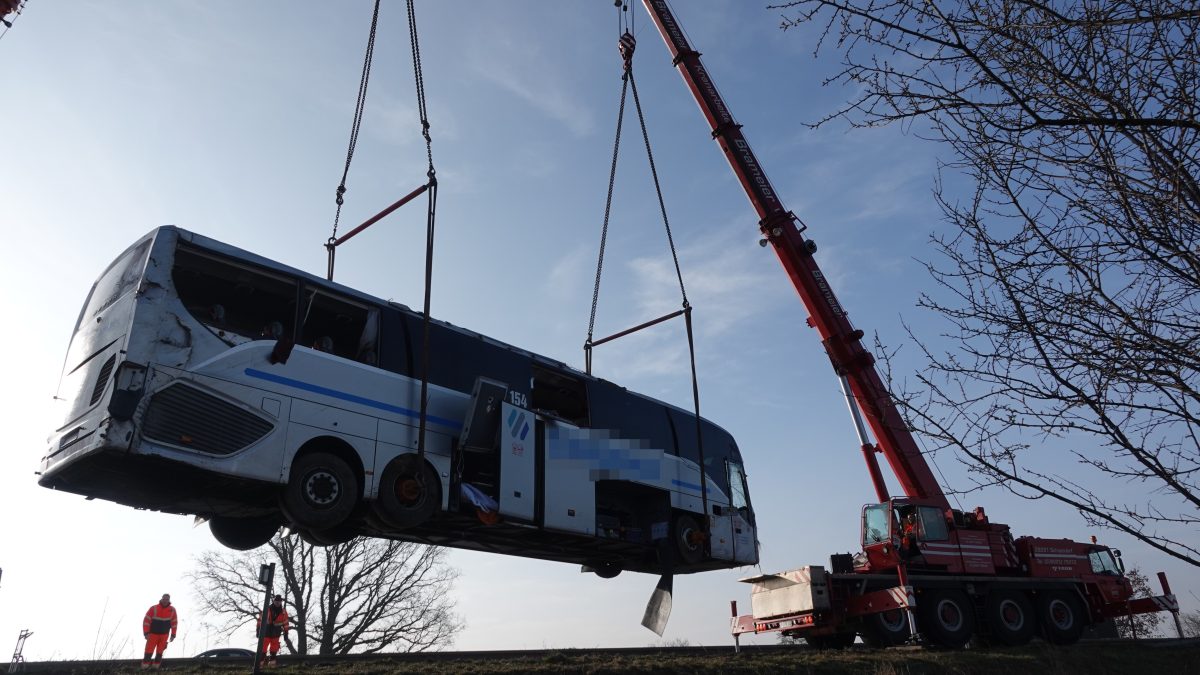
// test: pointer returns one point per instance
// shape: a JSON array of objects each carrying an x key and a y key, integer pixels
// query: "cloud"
[
  {"x": 523, "y": 69},
  {"x": 729, "y": 280}
]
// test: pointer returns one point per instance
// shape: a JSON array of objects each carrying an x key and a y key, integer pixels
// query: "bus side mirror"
[{"x": 282, "y": 351}]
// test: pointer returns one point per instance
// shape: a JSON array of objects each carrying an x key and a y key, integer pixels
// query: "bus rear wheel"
[
  {"x": 689, "y": 539},
  {"x": 409, "y": 493},
  {"x": 321, "y": 493},
  {"x": 333, "y": 537},
  {"x": 243, "y": 534}
]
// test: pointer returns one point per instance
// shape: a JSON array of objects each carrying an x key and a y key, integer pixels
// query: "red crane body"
[
  {"x": 843, "y": 343},
  {"x": 917, "y": 549}
]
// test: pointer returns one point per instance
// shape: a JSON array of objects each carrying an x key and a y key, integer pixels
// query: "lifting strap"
[
  {"x": 359, "y": 105},
  {"x": 431, "y": 212},
  {"x": 430, "y": 188},
  {"x": 626, "y": 45}
]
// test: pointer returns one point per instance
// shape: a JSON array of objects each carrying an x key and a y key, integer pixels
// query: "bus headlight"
[{"x": 127, "y": 390}]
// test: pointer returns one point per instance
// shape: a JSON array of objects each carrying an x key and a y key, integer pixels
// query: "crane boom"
[{"x": 843, "y": 343}]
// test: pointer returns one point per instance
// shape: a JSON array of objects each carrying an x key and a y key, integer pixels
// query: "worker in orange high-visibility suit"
[
  {"x": 160, "y": 621},
  {"x": 277, "y": 625}
]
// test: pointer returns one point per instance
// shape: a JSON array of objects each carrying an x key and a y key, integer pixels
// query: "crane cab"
[{"x": 927, "y": 536}]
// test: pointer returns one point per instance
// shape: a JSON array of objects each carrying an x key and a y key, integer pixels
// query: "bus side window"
[
  {"x": 333, "y": 325},
  {"x": 368, "y": 342},
  {"x": 233, "y": 298}
]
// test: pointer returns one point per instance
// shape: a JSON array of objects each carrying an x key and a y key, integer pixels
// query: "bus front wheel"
[
  {"x": 321, "y": 493},
  {"x": 409, "y": 493}
]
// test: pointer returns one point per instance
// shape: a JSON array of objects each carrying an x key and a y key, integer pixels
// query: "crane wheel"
[
  {"x": 1010, "y": 617},
  {"x": 833, "y": 641},
  {"x": 885, "y": 629},
  {"x": 947, "y": 617},
  {"x": 1061, "y": 616}
]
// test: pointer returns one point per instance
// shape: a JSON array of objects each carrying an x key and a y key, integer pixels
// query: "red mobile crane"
[{"x": 953, "y": 574}]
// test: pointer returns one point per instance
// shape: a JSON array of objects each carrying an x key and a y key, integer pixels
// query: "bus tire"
[
  {"x": 243, "y": 534},
  {"x": 321, "y": 493},
  {"x": 947, "y": 618},
  {"x": 409, "y": 493},
  {"x": 1010, "y": 617},
  {"x": 605, "y": 570},
  {"x": 689, "y": 539},
  {"x": 1061, "y": 616},
  {"x": 885, "y": 629},
  {"x": 332, "y": 537}
]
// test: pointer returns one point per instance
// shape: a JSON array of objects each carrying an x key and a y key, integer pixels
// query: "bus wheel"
[
  {"x": 947, "y": 618},
  {"x": 321, "y": 493},
  {"x": 331, "y": 537},
  {"x": 605, "y": 570},
  {"x": 885, "y": 629},
  {"x": 1061, "y": 617},
  {"x": 689, "y": 539},
  {"x": 409, "y": 493},
  {"x": 243, "y": 534},
  {"x": 1010, "y": 616}
]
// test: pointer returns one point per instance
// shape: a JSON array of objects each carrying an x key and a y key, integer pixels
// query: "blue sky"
[{"x": 231, "y": 119}]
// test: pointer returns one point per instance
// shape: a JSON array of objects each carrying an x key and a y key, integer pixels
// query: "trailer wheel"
[
  {"x": 689, "y": 539},
  {"x": 1062, "y": 617},
  {"x": 947, "y": 618},
  {"x": 321, "y": 493},
  {"x": 834, "y": 641},
  {"x": 243, "y": 534},
  {"x": 885, "y": 629},
  {"x": 409, "y": 493},
  {"x": 1010, "y": 617}
]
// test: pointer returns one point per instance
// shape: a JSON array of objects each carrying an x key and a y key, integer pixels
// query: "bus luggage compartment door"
[{"x": 518, "y": 455}]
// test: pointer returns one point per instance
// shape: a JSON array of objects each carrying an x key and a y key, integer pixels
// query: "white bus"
[{"x": 202, "y": 379}]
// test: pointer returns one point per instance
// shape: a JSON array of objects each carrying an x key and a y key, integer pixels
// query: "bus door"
[
  {"x": 518, "y": 462},
  {"x": 745, "y": 543},
  {"x": 720, "y": 532}
]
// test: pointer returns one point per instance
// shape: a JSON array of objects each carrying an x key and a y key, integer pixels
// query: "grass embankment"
[{"x": 1156, "y": 658}]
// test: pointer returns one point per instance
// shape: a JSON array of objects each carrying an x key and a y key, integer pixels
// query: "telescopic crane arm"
[{"x": 843, "y": 343}]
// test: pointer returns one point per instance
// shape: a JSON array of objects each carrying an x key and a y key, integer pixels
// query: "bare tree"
[
  {"x": 1139, "y": 625},
  {"x": 1070, "y": 273},
  {"x": 1191, "y": 624},
  {"x": 368, "y": 595}
]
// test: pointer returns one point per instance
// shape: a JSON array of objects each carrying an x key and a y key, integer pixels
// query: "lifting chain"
[{"x": 626, "y": 45}]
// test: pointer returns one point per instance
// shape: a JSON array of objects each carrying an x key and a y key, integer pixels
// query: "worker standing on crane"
[
  {"x": 277, "y": 625},
  {"x": 160, "y": 621}
]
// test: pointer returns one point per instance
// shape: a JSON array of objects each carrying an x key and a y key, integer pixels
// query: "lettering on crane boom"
[
  {"x": 828, "y": 293},
  {"x": 753, "y": 170}
]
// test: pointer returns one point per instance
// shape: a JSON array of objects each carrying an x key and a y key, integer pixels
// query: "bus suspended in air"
[{"x": 202, "y": 379}]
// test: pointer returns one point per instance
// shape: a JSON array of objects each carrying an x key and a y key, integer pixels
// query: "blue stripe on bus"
[
  {"x": 680, "y": 483},
  {"x": 317, "y": 389}
]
